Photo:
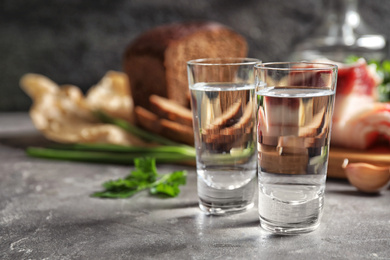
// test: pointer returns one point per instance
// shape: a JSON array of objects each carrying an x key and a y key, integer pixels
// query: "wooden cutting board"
[{"x": 377, "y": 156}]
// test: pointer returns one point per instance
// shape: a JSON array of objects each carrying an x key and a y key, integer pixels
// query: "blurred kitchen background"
[{"x": 77, "y": 42}]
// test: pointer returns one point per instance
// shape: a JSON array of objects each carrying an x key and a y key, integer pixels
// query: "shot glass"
[
  {"x": 224, "y": 118},
  {"x": 294, "y": 116}
]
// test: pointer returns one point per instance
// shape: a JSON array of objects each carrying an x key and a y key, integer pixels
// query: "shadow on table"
[
  {"x": 349, "y": 189},
  {"x": 355, "y": 193},
  {"x": 24, "y": 140}
]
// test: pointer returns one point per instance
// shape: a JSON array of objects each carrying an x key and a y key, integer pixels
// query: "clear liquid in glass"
[
  {"x": 225, "y": 144},
  {"x": 293, "y": 144}
]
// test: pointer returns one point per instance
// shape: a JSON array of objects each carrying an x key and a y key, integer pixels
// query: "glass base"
[
  {"x": 219, "y": 201},
  {"x": 289, "y": 228},
  {"x": 222, "y": 209}
]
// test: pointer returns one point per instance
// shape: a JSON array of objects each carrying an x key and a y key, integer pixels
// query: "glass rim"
[
  {"x": 322, "y": 66},
  {"x": 229, "y": 61}
]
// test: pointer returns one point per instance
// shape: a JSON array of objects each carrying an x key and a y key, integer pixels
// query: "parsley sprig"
[{"x": 145, "y": 176}]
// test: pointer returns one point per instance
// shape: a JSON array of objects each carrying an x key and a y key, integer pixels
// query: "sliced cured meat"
[
  {"x": 359, "y": 120},
  {"x": 364, "y": 129}
]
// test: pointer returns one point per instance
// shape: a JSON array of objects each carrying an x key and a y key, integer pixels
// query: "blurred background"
[{"x": 77, "y": 42}]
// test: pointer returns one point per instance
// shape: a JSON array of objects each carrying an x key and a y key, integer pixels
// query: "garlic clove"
[{"x": 367, "y": 177}]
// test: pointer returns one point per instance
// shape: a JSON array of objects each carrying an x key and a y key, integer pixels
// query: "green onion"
[
  {"x": 99, "y": 147},
  {"x": 110, "y": 157},
  {"x": 168, "y": 151}
]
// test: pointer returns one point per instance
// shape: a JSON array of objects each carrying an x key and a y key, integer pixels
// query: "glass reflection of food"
[
  {"x": 293, "y": 130},
  {"x": 293, "y": 138},
  {"x": 226, "y": 136},
  {"x": 293, "y": 134}
]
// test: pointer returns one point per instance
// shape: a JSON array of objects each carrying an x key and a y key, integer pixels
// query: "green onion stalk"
[{"x": 167, "y": 152}]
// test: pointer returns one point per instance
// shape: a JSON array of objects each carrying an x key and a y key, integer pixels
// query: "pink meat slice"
[{"x": 359, "y": 121}]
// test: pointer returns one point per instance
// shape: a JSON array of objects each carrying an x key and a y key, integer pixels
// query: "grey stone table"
[{"x": 46, "y": 213}]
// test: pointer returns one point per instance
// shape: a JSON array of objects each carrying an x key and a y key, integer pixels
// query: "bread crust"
[
  {"x": 171, "y": 110},
  {"x": 156, "y": 60},
  {"x": 169, "y": 129}
]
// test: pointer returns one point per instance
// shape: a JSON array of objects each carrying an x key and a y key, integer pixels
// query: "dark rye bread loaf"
[{"x": 156, "y": 61}]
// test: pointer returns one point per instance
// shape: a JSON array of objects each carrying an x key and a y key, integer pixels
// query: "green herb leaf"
[
  {"x": 114, "y": 195},
  {"x": 165, "y": 190},
  {"x": 168, "y": 185},
  {"x": 145, "y": 170},
  {"x": 384, "y": 93},
  {"x": 144, "y": 176},
  {"x": 351, "y": 59}
]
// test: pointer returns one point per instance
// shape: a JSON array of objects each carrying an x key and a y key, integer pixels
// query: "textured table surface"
[{"x": 46, "y": 213}]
